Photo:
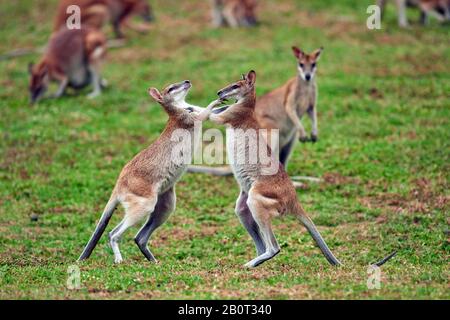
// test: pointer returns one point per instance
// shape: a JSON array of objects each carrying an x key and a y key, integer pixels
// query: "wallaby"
[
  {"x": 73, "y": 58},
  {"x": 283, "y": 109},
  {"x": 234, "y": 13},
  {"x": 265, "y": 194},
  {"x": 96, "y": 13},
  {"x": 146, "y": 185},
  {"x": 440, "y": 9}
]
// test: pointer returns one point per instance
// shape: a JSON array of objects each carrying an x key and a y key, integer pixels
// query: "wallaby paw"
[
  {"x": 314, "y": 138},
  {"x": 118, "y": 260},
  {"x": 93, "y": 95},
  {"x": 303, "y": 139},
  {"x": 104, "y": 83}
]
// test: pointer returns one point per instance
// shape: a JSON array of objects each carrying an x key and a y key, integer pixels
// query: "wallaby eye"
[
  {"x": 301, "y": 65},
  {"x": 313, "y": 65},
  {"x": 171, "y": 89},
  {"x": 235, "y": 87}
]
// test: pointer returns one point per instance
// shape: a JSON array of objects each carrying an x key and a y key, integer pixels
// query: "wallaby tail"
[
  {"x": 315, "y": 234},
  {"x": 215, "y": 171},
  {"x": 101, "y": 226},
  {"x": 384, "y": 260},
  {"x": 307, "y": 222}
]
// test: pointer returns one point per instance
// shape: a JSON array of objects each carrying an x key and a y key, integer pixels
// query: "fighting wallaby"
[
  {"x": 73, "y": 58},
  {"x": 234, "y": 13},
  {"x": 264, "y": 194},
  {"x": 440, "y": 9},
  {"x": 283, "y": 109},
  {"x": 96, "y": 13},
  {"x": 146, "y": 185}
]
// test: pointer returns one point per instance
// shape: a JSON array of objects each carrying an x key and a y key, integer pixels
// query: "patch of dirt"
[
  {"x": 410, "y": 135},
  {"x": 183, "y": 234},
  {"x": 421, "y": 198}
]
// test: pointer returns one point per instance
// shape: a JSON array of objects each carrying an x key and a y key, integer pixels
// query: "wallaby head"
[
  {"x": 243, "y": 91},
  {"x": 142, "y": 8},
  {"x": 39, "y": 80},
  {"x": 307, "y": 63},
  {"x": 172, "y": 99}
]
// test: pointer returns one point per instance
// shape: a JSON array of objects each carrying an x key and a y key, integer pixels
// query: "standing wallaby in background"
[
  {"x": 73, "y": 58},
  {"x": 146, "y": 185},
  {"x": 234, "y": 13},
  {"x": 96, "y": 13},
  {"x": 265, "y": 194},
  {"x": 440, "y": 9},
  {"x": 283, "y": 109}
]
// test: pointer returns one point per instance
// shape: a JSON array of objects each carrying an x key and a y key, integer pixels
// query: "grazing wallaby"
[
  {"x": 440, "y": 9},
  {"x": 234, "y": 13},
  {"x": 283, "y": 109},
  {"x": 73, "y": 58},
  {"x": 146, "y": 185},
  {"x": 96, "y": 13},
  {"x": 265, "y": 194}
]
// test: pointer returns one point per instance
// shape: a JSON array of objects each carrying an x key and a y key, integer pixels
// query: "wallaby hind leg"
[
  {"x": 96, "y": 81},
  {"x": 164, "y": 207},
  {"x": 136, "y": 209},
  {"x": 381, "y": 4},
  {"x": 245, "y": 216},
  {"x": 263, "y": 211},
  {"x": 216, "y": 14},
  {"x": 285, "y": 152},
  {"x": 401, "y": 8},
  {"x": 229, "y": 16}
]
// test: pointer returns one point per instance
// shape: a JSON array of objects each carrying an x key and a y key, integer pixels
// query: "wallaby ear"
[
  {"x": 154, "y": 93},
  {"x": 316, "y": 54},
  {"x": 30, "y": 67},
  {"x": 251, "y": 77},
  {"x": 297, "y": 52}
]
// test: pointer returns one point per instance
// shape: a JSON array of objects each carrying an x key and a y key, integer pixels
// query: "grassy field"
[{"x": 383, "y": 152}]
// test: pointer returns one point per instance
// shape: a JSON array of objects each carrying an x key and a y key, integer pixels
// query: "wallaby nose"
[{"x": 308, "y": 77}]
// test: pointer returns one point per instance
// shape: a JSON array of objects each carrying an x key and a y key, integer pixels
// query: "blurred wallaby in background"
[
  {"x": 234, "y": 13},
  {"x": 440, "y": 9}
]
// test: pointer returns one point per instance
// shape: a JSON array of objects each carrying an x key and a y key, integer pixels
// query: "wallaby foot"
[{"x": 262, "y": 258}]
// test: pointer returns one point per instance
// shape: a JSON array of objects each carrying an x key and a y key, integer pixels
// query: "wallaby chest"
[
  {"x": 177, "y": 157},
  {"x": 243, "y": 160},
  {"x": 304, "y": 98}
]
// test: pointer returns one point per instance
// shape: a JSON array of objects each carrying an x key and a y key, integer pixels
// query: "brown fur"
[
  {"x": 440, "y": 9},
  {"x": 96, "y": 13},
  {"x": 263, "y": 196},
  {"x": 69, "y": 57},
  {"x": 234, "y": 13},
  {"x": 146, "y": 185},
  {"x": 284, "y": 107}
]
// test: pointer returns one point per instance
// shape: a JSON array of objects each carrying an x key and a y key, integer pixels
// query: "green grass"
[{"x": 383, "y": 151}]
